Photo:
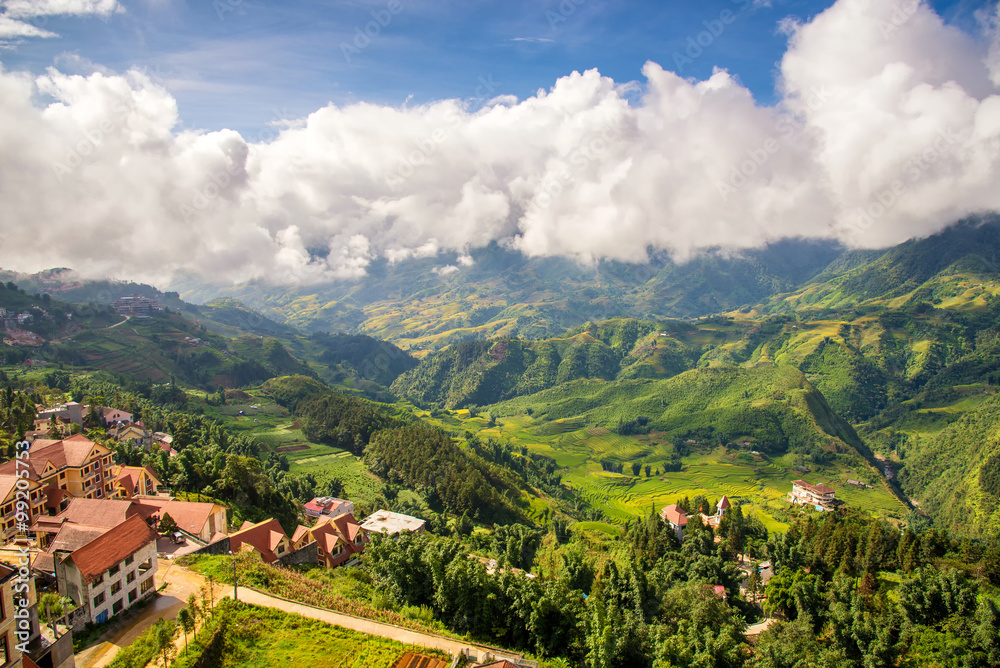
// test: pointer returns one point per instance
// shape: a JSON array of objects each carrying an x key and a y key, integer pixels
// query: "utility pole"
[{"x": 235, "y": 594}]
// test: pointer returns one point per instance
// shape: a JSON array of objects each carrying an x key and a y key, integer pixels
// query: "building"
[
  {"x": 266, "y": 538},
  {"x": 69, "y": 412},
  {"x": 675, "y": 516},
  {"x": 818, "y": 496},
  {"x": 102, "y": 513},
  {"x": 12, "y": 595},
  {"x": 111, "y": 572},
  {"x": 715, "y": 520},
  {"x": 74, "y": 467},
  {"x": 139, "y": 307},
  {"x": 339, "y": 540},
  {"x": 392, "y": 524},
  {"x": 130, "y": 433},
  {"x": 131, "y": 481},
  {"x": 113, "y": 416},
  {"x": 327, "y": 505},
  {"x": 203, "y": 521},
  {"x": 9, "y": 498}
]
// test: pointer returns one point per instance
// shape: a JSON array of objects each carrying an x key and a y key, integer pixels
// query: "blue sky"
[{"x": 241, "y": 63}]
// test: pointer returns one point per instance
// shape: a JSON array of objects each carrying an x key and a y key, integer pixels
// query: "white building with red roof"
[
  {"x": 675, "y": 516},
  {"x": 818, "y": 496},
  {"x": 110, "y": 572}
]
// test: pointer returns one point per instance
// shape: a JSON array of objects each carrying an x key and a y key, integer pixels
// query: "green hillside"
[{"x": 955, "y": 474}]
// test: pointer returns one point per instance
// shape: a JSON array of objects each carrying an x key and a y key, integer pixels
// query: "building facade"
[{"x": 112, "y": 572}]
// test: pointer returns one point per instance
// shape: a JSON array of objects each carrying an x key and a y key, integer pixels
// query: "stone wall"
[
  {"x": 78, "y": 618},
  {"x": 305, "y": 555},
  {"x": 216, "y": 548}
]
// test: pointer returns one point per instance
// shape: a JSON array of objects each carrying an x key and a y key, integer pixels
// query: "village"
[{"x": 97, "y": 534}]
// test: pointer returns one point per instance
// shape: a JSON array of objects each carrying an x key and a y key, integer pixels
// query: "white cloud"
[
  {"x": 32, "y": 8},
  {"x": 12, "y": 29},
  {"x": 888, "y": 126}
]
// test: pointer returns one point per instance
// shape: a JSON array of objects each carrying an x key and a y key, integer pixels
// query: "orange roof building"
[
  {"x": 266, "y": 538},
  {"x": 112, "y": 571},
  {"x": 74, "y": 467},
  {"x": 338, "y": 539}
]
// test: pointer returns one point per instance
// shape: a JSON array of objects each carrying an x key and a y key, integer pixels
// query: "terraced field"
[{"x": 761, "y": 487}]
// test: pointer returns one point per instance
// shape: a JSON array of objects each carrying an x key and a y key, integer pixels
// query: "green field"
[
  {"x": 278, "y": 432},
  {"x": 761, "y": 487}
]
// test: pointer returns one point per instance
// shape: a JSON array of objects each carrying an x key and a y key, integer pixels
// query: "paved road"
[
  {"x": 363, "y": 625},
  {"x": 118, "y": 323},
  {"x": 181, "y": 583}
]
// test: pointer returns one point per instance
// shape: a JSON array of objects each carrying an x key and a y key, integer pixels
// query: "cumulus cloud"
[{"x": 888, "y": 127}]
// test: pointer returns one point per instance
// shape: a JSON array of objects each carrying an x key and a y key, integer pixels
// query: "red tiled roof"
[
  {"x": 9, "y": 482},
  {"x": 71, "y": 537},
  {"x": 724, "y": 503},
  {"x": 264, "y": 537},
  {"x": 189, "y": 515},
  {"x": 500, "y": 664},
  {"x": 675, "y": 515},
  {"x": 100, "y": 554},
  {"x": 815, "y": 489},
  {"x": 98, "y": 512},
  {"x": 300, "y": 531},
  {"x": 128, "y": 477},
  {"x": 72, "y": 451}
]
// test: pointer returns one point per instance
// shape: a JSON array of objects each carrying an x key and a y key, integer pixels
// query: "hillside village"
[{"x": 98, "y": 533}]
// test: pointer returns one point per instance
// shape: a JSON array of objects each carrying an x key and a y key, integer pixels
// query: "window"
[
  {"x": 4, "y": 656},
  {"x": 131, "y": 597},
  {"x": 114, "y": 570},
  {"x": 99, "y": 599},
  {"x": 62, "y": 476},
  {"x": 117, "y": 606},
  {"x": 116, "y": 587},
  {"x": 146, "y": 585},
  {"x": 130, "y": 578},
  {"x": 129, "y": 560}
]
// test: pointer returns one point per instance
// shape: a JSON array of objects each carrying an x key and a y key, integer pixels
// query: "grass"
[
  {"x": 760, "y": 484},
  {"x": 257, "y": 637}
]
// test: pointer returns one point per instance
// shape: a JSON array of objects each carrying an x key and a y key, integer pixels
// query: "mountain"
[{"x": 428, "y": 303}]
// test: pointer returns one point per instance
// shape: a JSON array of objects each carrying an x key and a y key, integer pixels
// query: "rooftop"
[{"x": 387, "y": 522}]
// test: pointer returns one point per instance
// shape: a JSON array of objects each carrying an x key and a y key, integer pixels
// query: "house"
[
  {"x": 327, "y": 505},
  {"x": 113, "y": 416},
  {"x": 69, "y": 412},
  {"x": 130, "y": 433},
  {"x": 338, "y": 540},
  {"x": 675, "y": 516},
  {"x": 715, "y": 520},
  {"x": 111, "y": 572},
  {"x": 203, "y": 521},
  {"x": 392, "y": 524},
  {"x": 9, "y": 492},
  {"x": 266, "y": 538},
  {"x": 301, "y": 537},
  {"x": 15, "y": 631},
  {"x": 130, "y": 481},
  {"x": 92, "y": 513},
  {"x": 74, "y": 467},
  {"x": 818, "y": 496}
]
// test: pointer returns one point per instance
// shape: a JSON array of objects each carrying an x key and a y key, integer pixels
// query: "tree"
[
  {"x": 192, "y": 604},
  {"x": 754, "y": 581},
  {"x": 167, "y": 524},
  {"x": 186, "y": 619},
  {"x": 164, "y": 640},
  {"x": 636, "y": 468},
  {"x": 52, "y": 603}
]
